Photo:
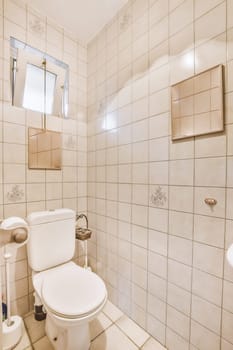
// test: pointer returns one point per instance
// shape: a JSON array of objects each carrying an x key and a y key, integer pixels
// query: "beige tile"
[
  {"x": 181, "y": 224},
  {"x": 227, "y": 293},
  {"x": 208, "y": 259},
  {"x": 183, "y": 149},
  {"x": 157, "y": 286},
  {"x": 211, "y": 53},
  {"x": 209, "y": 230},
  {"x": 225, "y": 345},
  {"x": 157, "y": 264},
  {"x": 210, "y": 172},
  {"x": 180, "y": 249},
  {"x": 139, "y": 256},
  {"x": 139, "y": 296},
  {"x": 112, "y": 311},
  {"x": 181, "y": 172},
  {"x": 43, "y": 344},
  {"x": 182, "y": 67},
  {"x": 159, "y": 126},
  {"x": 179, "y": 274},
  {"x": 228, "y": 107},
  {"x": 207, "y": 192},
  {"x": 158, "y": 33},
  {"x": 35, "y": 329},
  {"x": 207, "y": 286},
  {"x": 156, "y": 328},
  {"x": 159, "y": 55},
  {"x": 112, "y": 339},
  {"x": 210, "y": 146},
  {"x": 14, "y": 173},
  {"x": 156, "y": 307},
  {"x": 178, "y": 322},
  {"x": 139, "y": 276},
  {"x": 229, "y": 213},
  {"x": 175, "y": 341},
  {"x": 211, "y": 24},
  {"x": 158, "y": 173},
  {"x": 159, "y": 78},
  {"x": 203, "y": 338},
  {"x": 159, "y": 102},
  {"x": 99, "y": 325},
  {"x": 14, "y": 133},
  {"x": 182, "y": 41},
  {"x": 179, "y": 298},
  {"x": 152, "y": 344},
  {"x": 203, "y": 7},
  {"x": 227, "y": 322},
  {"x": 158, "y": 242},
  {"x": 229, "y": 233},
  {"x": 158, "y": 219},
  {"x": 181, "y": 198},
  {"x": 181, "y": 16},
  {"x": 132, "y": 330},
  {"x": 206, "y": 314},
  {"x": 159, "y": 149}
]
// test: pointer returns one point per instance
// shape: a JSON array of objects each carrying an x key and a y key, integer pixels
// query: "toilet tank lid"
[{"x": 42, "y": 217}]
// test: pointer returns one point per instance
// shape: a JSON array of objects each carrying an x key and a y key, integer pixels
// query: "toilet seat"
[{"x": 71, "y": 292}]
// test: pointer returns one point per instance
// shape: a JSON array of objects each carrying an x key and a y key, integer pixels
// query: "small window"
[
  {"x": 39, "y": 82},
  {"x": 38, "y": 92}
]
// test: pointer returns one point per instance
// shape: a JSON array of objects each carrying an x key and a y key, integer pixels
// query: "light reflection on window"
[{"x": 34, "y": 97}]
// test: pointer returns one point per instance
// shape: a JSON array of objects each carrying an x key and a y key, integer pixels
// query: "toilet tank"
[{"x": 52, "y": 238}]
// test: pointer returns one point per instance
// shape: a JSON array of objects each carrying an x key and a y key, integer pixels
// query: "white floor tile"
[
  {"x": 133, "y": 331},
  {"x": 35, "y": 329},
  {"x": 112, "y": 311},
  {"x": 99, "y": 324},
  {"x": 152, "y": 344},
  {"x": 113, "y": 339}
]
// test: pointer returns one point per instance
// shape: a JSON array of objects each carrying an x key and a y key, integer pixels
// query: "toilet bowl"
[{"x": 71, "y": 295}]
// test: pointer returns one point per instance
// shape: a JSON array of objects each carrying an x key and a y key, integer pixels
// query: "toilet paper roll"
[
  {"x": 17, "y": 231},
  {"x": 13, "y": 333}
]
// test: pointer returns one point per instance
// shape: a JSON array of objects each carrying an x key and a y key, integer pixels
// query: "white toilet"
[{"x": 72, "y": 296}]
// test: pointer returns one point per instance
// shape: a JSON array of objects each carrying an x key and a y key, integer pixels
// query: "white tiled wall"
[
  {"x": 22, "y": 190},
  {"x": 158, "y": 246}
]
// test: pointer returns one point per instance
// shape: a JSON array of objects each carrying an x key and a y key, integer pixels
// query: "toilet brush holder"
[{"x": 12, "y": 333}]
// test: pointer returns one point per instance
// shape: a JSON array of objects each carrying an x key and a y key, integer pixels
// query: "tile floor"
[{"x": 111, "y": 330}]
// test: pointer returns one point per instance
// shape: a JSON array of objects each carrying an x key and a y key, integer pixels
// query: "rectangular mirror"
[
  {"x": 44, "y": 149},
  {"x": 197, "y": 104}
]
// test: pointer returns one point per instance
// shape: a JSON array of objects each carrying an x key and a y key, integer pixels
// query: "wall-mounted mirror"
[
  {"x": 39, "y": 82},
  {"x": 44, "y": 149},
  {"x": 197, "y": 104}
]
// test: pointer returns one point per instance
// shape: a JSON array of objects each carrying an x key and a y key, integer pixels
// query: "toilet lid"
[{"x": 73, "y": 292}]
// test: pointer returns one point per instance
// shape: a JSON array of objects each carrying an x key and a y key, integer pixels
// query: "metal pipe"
[{"x": 7, "y": 257}]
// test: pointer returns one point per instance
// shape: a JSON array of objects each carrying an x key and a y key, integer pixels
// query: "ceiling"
[{"x": 85, "y": 18}]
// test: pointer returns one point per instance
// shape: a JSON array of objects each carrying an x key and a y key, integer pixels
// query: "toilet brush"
[{"x": 12, "y": 326}]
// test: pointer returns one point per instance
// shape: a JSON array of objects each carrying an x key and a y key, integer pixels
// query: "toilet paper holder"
[{"x": 17, "y": 234}]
